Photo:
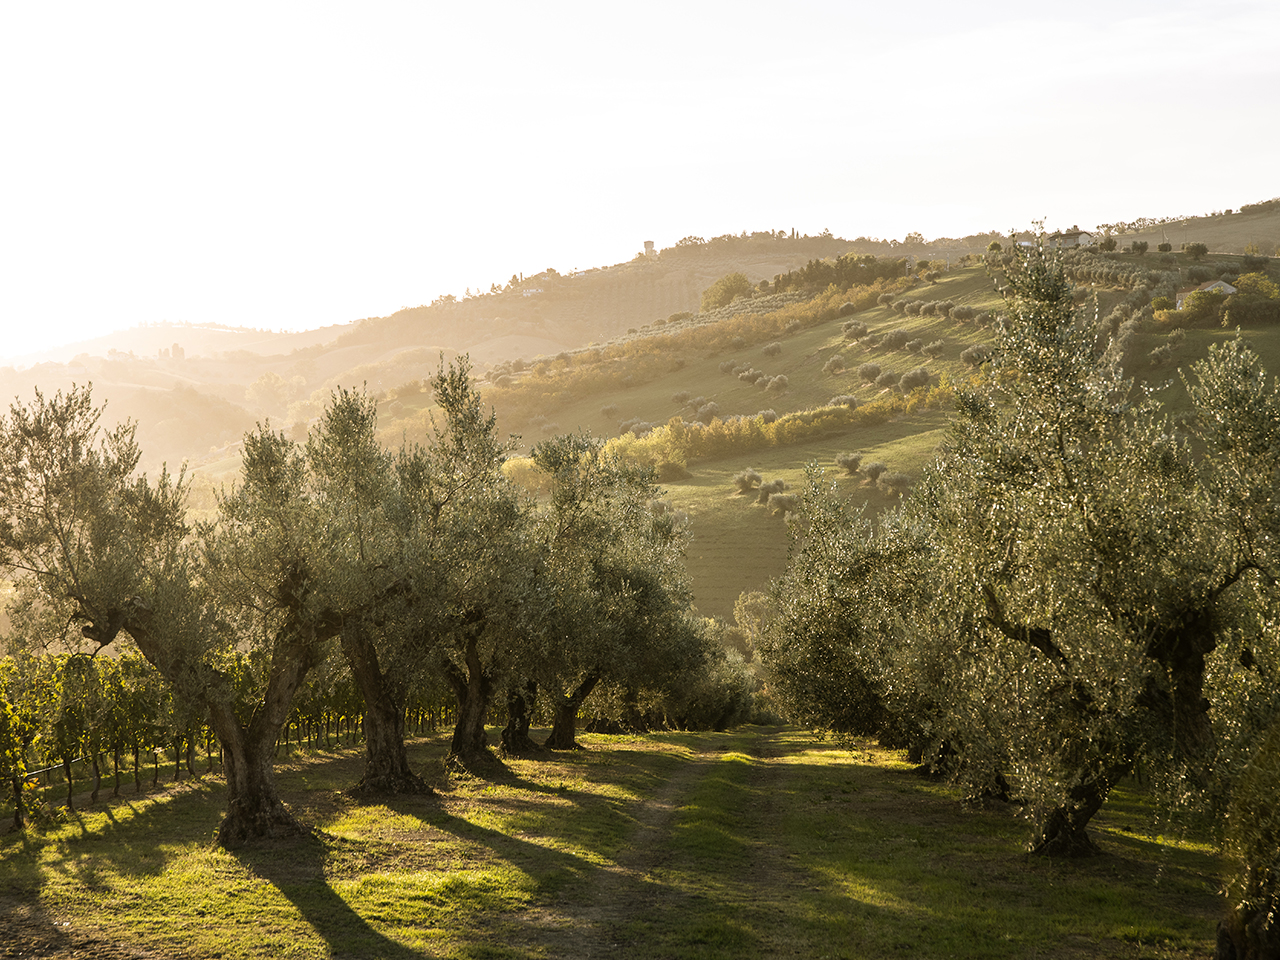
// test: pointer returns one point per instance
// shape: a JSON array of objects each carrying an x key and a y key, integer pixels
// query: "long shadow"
[{"x": 297, "y": 869}]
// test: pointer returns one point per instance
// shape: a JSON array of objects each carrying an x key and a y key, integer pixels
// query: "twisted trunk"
[
  {"x": 565, "y": 727},
  {"x": 386, "y": 764},
  {"x": 1063, "y": 833},
  {"x": 515, "y": 735},
  {"x": 473, "y": 690}
]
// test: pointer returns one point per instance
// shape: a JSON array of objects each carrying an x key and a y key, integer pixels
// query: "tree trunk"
[
  {"x": 473, "y": 690},
  {"x": 564, "y": 729},
  {"x": 515, "y": 735},
  {"x": 97, "y": 777},
  {"x": 1063, "y": 833},
  {"x": 116, "y": 765},
  {"x": 66, "y": 769},
  {"x": 386, "y": 764},
  {"x": 1250, "y": 934}
]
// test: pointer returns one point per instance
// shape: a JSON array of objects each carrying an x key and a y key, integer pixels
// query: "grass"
[{"x": 759, "y": 842}]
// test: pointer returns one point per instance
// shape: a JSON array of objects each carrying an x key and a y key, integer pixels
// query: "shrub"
[
  {"x": 915, "y": 346},
  {"x": 934, "y": 349},
  {"x": 929, "y": 308},
  {"x": 849, "y": 462},
  {"x": 913, "y": 308},
  {"x": 945, "y": 307},
  {"x": 899, "y": 306},
  {"x": 976, "y": 355},
  {"x": 1161, "y": 355},
  {"x": 983, "y": 319},
  {"x": 746, "y": 480},
  {"x": 919, "y": 377},
  {"x": 844, "y": 400},
  {"x": 846, "y": 309},
  {"x": 887, "y": 379},
  {"x": 609, "y": 410},
  {"x": 682, "y": 315},
  {"x": 873, "y": 470},
  {"x": 728, "y": 366},
  {"x": 1107, "y": 244},
  {"x": 885, "y": 299},
  {"x": 777, "y": 385},
  {"x": 895, "y": 339},
  {"x": 707, "y": 412},
  {"x": 768, "y": 416},
  {"x": 681, "y": 397},
  {"x": 1177, "y": 337},
  {"x": 1199, "y": 274},
  {"x": 1164, "y": 247},
  {"x": 1254, "y": 264},
  {"x": 963, "y": 313},
  {"x": 784, "y": 503},
  {"x": 668, "y": 471},
  {"x": 834, "y": 365},
  {"x": 895, "y": 482},
  {"x": 750, "y": 375},
  {"x": 868, "y": 372},
  {"x": 1196, "y": 250},
  {"x": 854, "y": 329},
  {"x": 1163, "y": 303},
  {"x": 769, "y": 488},
  {"x": 738, "y": 342},
  {"x": 771, "y": 349},
  {"x": 1140, "y": 247}
]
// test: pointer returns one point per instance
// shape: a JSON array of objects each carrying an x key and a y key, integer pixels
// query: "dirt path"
[{"x": 594, "y": 926}]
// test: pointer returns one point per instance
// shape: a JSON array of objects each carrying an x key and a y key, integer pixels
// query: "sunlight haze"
[{"x": 288, "y": 166}]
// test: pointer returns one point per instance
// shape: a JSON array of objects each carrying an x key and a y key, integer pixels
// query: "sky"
[{"x": 292, "y": 165}]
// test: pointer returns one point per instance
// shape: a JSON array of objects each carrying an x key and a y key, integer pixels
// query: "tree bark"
[
  {"x": 473, "y": 690},
  {"x": 19, "y": 819},
  {"x": 565, "y": 727},
  {"x": 386, "y": 766},
  {"x": 515, "y": 735},
  {"x": 1250, "y": 934},
  {"x": 1064, "y": 833}
]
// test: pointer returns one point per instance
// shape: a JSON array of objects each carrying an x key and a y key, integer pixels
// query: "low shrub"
[
  {"x": 771, "y": 349},
  {"x": 887, "y": 379},
  {"x": 915, "y": 346},
  {"x": 778, "y": 385},
  {"x": 919, "y": 377},
  {"x": 895, "y": 339},
  {"x": 784, "y": 503},
  {"x": 895, "y": 482},
  {"x": 768, "y": 489},
  {"x": 834, "y": 365},
  {"x": 933, "y": 350},
  {"x": 868, "y": 372},
  {"x": 849, "y": 462},
  {"x": 747, "y": 480},
  {"x": 976, "y": 355},
  {"x": 609, "y": 410},
  {"x": 681, "y": 397},
  {"x": 844, "y": 400},
  {"x": 873, "y": 470}
]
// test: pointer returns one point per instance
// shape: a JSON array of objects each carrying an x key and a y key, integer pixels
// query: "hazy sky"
[{"x": 289, "y": 165}]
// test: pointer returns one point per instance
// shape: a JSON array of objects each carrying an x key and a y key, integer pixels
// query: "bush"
[
  {"x": 887, "y": 379},
  {"x": 983, "y": 319},
  {"x": 1107, "y": 244},
  {"x": 1199, "y": 274},
  {"x": 899, "y": 306},
  {"x": 929, "y": 308},
  {"x": 1161, "y": 355},
  {"x": 769, "y": 488},
  {"x": 728, "y": 366},
  {"x": 915, "y": 346},
  {"x": 919, "y": 377},
  {"x": 834, "y": 365},
  {"x": 682, "y": 315},
  {"x": 913, "y": 308},
  {"x": 868, "y": 372},
  {"x": 895, "y": 482},
  {"x": 746, "y": 480},
  {"x": 895, "y": 339},
  {"x": 1254, "y": 264},
  {"x": 609, "y": 410},
  {"x": 846, "y": 309},
  {"x": 738, "y": 342},
  {"x": 849, "y": 462},
  {"x": 844, "y": 400},
  {"x": 854, "y": 329},
  {"x": 885, "y": 299},
  {"x": 777, "y": 385},
  {"x": 771, "y": 349},
  {"x": 1196, "y": 250},
  {"x": 668, "y": 471},
  {"x": 784, "y": 503},
  {"x": 768, "y": 416},
  {"x": 976, "y": 355},
  {"x": 707, "y": 412},
  {"x": 963, "y": 313},
  {"x": 1164, "y": 247},
  {"x": 934, "y": 349},
  {"x": 945, "y": 307},
  {"x": 1163, "y": 303},
  {"x": 1140, "y": 247},
  {"x": 872, "y": 471},
  {"x": 750, "y": 375},
  {"x": 681, "y": 397}
]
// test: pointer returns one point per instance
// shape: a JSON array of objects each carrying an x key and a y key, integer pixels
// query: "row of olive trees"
[
  {"x": 1082, "y": 583},
  {"x": 422, "y": 561}
]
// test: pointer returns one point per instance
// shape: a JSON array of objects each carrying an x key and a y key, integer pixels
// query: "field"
[{"x": 756, "y": 842}]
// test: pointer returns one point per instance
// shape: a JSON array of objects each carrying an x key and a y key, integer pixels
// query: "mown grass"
[{"x": 757, "y": 842}]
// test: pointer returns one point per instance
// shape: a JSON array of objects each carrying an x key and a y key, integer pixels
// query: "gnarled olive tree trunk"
[
  {"x": 386, "y": 768},
  {"x": 473, "y": 689},
  {"x": 515, "y": 735},
  {"x": 565, "y": 726}
]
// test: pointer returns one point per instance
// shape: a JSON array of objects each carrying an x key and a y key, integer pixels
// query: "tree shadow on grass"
[{"x": 297, "y": 869}]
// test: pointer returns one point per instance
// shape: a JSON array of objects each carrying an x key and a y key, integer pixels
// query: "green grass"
[{"x": 757, "y": 842}]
